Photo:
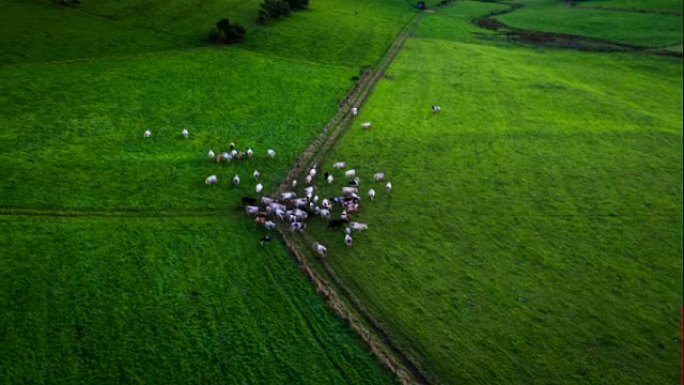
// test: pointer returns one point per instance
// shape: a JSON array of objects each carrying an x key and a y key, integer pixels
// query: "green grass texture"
[
  {"x": 163, "y": 301},
  {"x": 534, "y": 232},
  {"x": 632, "y": 28},
  {"x": 353, "y": 32},
  {"x": 674, "y": 6},
  {"x": 73, "y": 133}
]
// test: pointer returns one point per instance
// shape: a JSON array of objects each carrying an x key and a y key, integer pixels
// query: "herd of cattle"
[{"x": 292, "y": 210}]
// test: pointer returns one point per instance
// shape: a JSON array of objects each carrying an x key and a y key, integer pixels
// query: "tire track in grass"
[{"x": 337, "y": 296}]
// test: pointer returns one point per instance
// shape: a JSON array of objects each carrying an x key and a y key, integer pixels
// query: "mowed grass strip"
[
  {"x": 73, "y": 133},
  {"x": 637, "y": 29},
  {"x": 534, "y": 232},
  {"x": 187, "y": 301}
]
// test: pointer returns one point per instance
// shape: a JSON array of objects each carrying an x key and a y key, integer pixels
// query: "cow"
[
  {"x": 271, "y": 153},
  {"x": 320, "y": 249},
  {"x": 340, "y": 165},
  {"x": 356, "y": 226},
  {"x": 371, "y": 194},
  {"x": 256, "y": 174},
  {"x": 148, "y": 134},
  {"x": 378, "y": 176},
  {"x": 348, "y": 240},
  {"x": 388, "y": 187},
  {"x": 248, "y": 201},
  {"x": 236, "y": 180},
  {"x": 366, "y": 125},
  {"x": 185, "y": 133},
  {"x": 436, "y": 109},
  {"x": 211, "y": 179},
  {"x": 350, "y": 174},
  {"x": 211, "y": 155},
  {"x": 337, "y": 224},
  {"x": 259, "y": 188},
  {"x": 252, "y": 210},
  {"x": 354, "y": 111}
]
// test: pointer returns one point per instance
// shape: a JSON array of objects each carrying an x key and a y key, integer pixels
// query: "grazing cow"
[
  {"x": 211, "y": 155},
  {"x": 371, "y": 194},
  {"x": 308, "y": 179},
  {"x": 212, "y": 179},
  {"x": 337, "y": 224},
  {"x": 280, "y": 213},
  {"x": 330, "y": 179},
  {"x": 256, "y": 174},
  {"x": 348, "y": 240},
  {"x": 388, "y": 187},
  {"x": 436, "y": 109},
  {"x": 378, "y": 176},
  {"x": 344, "y": 215},
  {"x": 301, "y": 202},
  {"x": 148, "y": 133},
  {"x": 349, "y": 190},
  {"x": 316, "y": 199},
  {"x": 340, "y": 165},
  {"x": 270, "y": 225},
  {"x": 248, "y": 201},
  {"x": 366, "y": 125},
  {"x": 252, "y": 210},
  {"x": 356, "y": 182},
  {"x": 300, "y": 214},
  {"x": 325, "y": 203},
  {"x": 271, "y": 153},
  {"x": 234, "y": 153},
  {"x": 236, "y": 180},
  {"x": 294, "y": 183},
  {"x": 259, "y": 188},
  {"x": 250, "y": 153},
  {"x": 349, "y": 174},
  {"x": 356, "y": 226},
  {"x": 348, "y": 230},
  {"x": 286, "y": 196},
  {"x": 325, "y": 176},
  {"x": 312, "y": 172},
  {"x": 260, "y": 220},
  {"x": 223, "y": 156},
  {"x": 355, "y": 111},
  {"x": 320, "y": 249},
  {"x": 266, "y": 200},
  {"x": 325, "y": 214},
  {"x": 232, "y": 146},
  {"x": 309, "y": 191},
  {"x": 185, "y": 133},
  {"x": 298, "y": 226}
]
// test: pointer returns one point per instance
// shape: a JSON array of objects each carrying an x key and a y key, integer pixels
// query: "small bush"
[
  {"x": 227, "y": 33},
  {"x": 273, "y": 9}
]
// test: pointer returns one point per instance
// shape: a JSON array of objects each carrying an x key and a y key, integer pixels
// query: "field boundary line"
[
  {"x": 337, "y": 296},
  {"x": 21, "y": 212}
]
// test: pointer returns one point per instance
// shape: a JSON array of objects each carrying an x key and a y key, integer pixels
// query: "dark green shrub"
[{"x": 227, "y": 33}]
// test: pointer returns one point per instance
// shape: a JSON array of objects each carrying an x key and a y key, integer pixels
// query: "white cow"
[
  {"x": 348, "y": 240},
  {"x": 355, "y": 111},
  {"x": 312, "y": 172},
  {"x": 340, "y": 165},
  {"x": 320, "y": 249},
  {"x": 349, "y": 174},
  {"x": 270, "y": 225},
  {"x": 330, "y": 178},
  {"x": 349, "y": 190},
  {"x": 236, "y": 180},
  {"x": 301, "y": 202},
  {"x": 325, "y": 203},
  {"x": 366, "y": 125},
  {"x": 436, "y": 109},
  {"x": 250, "y": 153},
  {"x": 286, "y": 196},
  {"x": 298, "y": 226},
  {"x": 212, "y": 179},
  {"x": 294, "y": 183},
  {"x": 308, "y": 179},
  {"x": 378, "y": 176},
  {"x": 256, "y": 174},
  {"x": 309, "y": 191},
  {"x": 148, "y": 133},
  {"x": 271, "y": 153},
  {"x": 267, "y": 201},
  {"x": 211, "y": 154},
  {"x": 325, "y": 213},
  {"x": 357, "y": 226},
  {"x": 259, "y": 188},
  {"x": 371, "y": 194},
  {"x": 185, "y": 133},
  {"x": 252, "y": 210},
  {"x": 388, "y": 187}
]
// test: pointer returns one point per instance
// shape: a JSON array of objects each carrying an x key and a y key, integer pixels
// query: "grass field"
[
  {"x": 163, "y": 301},
  {"x": 89, "y": 119},
  {"x": 354, "y": 32},
  {"x": 639, "y": 29},
  {"x": 534, "y": 233},
  {"x": 153, "y": 277},
  {"x": 674, "y": 6}
]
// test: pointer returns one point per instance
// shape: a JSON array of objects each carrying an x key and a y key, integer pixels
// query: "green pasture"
[
  {"x": 455, "y": 21},
  {"x": 674, "y": 6},
  {"x": 353, "y": 32},
  {"x": 163, "y": 301},
  {"x": 632, "y": 28},
  {"x": 534, "y": 230},
  {"x": 72, "y": 133}
]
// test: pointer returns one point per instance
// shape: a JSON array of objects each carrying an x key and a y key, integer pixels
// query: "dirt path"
[{"x": 331, "y": 288}]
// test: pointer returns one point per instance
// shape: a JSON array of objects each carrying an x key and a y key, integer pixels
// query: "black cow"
[
  {"x": 337, "y": 224},
  {"x": 247, "y": 201}
]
